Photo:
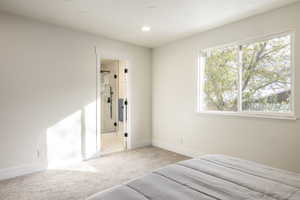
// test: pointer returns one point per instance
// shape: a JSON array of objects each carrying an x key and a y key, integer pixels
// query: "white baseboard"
[
  {"x": 177, "y": 149},
  {"x": 21, "y": 170}
]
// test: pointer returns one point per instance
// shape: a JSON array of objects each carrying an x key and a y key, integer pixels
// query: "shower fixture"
[
  {"x": 105, "y": 71},
  {"x": 107, "y": 90}
]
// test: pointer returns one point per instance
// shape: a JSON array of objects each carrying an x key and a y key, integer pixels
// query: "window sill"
[{"x": 283, "y": 116}]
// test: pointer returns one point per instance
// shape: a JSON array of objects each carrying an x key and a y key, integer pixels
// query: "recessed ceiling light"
[{"x": 146, "y": 28}]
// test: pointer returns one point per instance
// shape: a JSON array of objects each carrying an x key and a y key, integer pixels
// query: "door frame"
[{"x": 127, "y": 124}]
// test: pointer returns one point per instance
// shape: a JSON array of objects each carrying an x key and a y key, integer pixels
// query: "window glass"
[
  {"x": 266, "y": 79},
  {"x": 253, "y": 77},
  {"x": 220, "y": 80}
]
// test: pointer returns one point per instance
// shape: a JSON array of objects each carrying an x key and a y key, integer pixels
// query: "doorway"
[{"x": 113, "y": 106}]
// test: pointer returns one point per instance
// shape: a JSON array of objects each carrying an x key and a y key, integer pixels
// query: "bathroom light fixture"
[{"x": 146, "y": 28}]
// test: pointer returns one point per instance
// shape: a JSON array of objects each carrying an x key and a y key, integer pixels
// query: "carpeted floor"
[{"x": 82, "y": 180}]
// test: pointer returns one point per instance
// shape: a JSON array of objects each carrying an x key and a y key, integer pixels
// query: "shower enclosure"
[{"x": 109, "y": 97}]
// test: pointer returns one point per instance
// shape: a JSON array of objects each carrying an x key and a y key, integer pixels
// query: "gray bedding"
[{"x": 211, "y": 177}]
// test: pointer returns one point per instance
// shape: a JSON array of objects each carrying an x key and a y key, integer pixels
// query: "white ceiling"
[{"x": 122, "y": 19}]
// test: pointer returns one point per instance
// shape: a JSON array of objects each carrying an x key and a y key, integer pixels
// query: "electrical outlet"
[{"x": 181, "y": 140}]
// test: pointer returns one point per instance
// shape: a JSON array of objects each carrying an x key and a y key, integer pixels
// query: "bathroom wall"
[{"x": 109, "y": 110}]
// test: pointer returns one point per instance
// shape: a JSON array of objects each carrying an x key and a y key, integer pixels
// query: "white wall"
[
  {"x": 47, "y": 73},
  {"x": 177, "y": 127}
]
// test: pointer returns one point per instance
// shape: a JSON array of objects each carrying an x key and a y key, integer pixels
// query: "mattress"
[{"x": 210, "y": 177}]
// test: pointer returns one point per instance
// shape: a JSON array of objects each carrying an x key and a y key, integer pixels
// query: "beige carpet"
[{"x": 82, "y": 180}]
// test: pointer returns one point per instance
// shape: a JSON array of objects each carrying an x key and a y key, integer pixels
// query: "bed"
[{"x": 211, "y": 177}]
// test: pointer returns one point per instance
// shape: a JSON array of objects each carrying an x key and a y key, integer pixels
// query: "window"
[{"x": 248, "y": 78}]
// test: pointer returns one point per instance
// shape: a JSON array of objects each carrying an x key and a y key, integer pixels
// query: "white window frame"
[{"x": 273, "y": 115}]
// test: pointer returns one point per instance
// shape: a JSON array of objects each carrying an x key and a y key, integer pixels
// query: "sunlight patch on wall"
[
  {"x": 73, "y": 139},
  {"x": 89, "y": 130},
  {"x": 64, "y": 141}
]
